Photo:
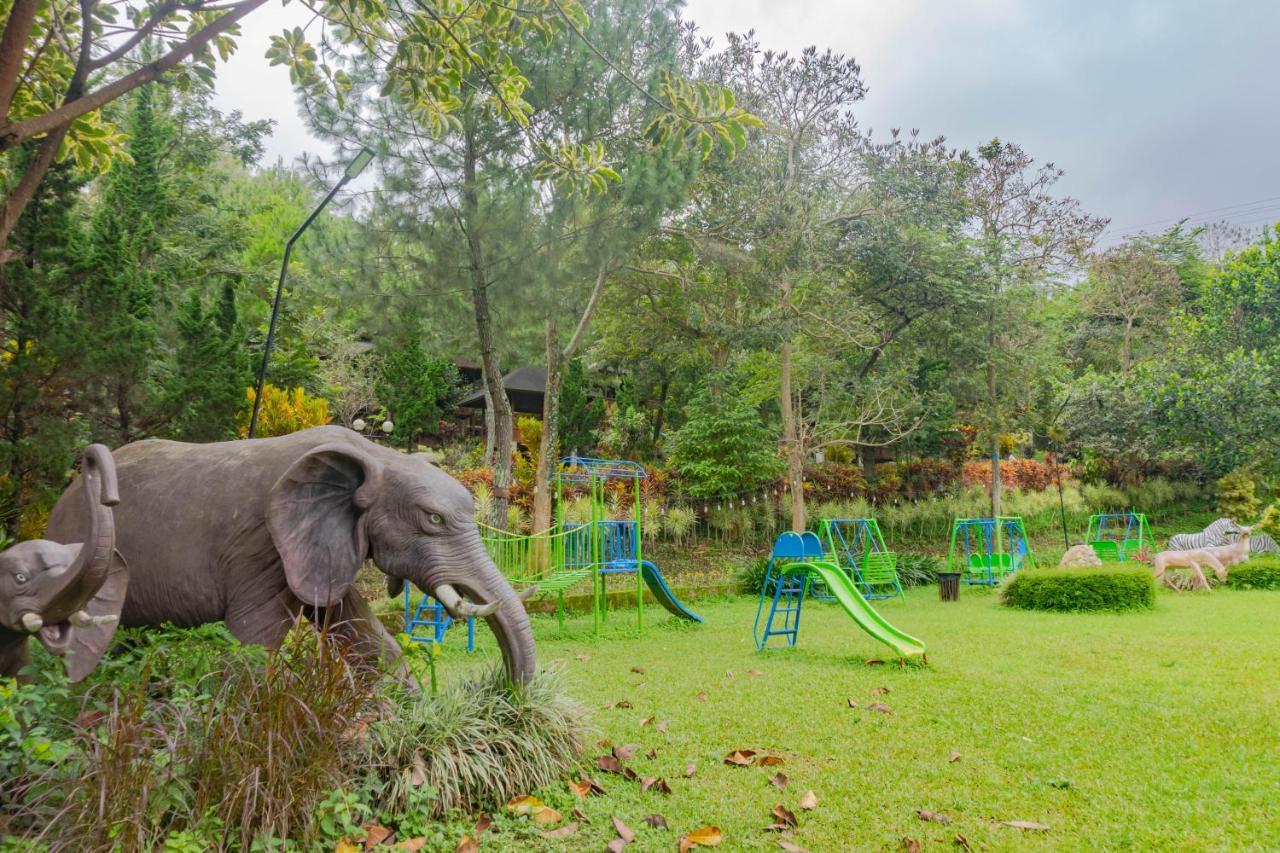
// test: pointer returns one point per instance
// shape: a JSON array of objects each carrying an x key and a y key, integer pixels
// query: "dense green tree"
[
  {"x": 416, "y": 388},
  {"x": 724, "y": 446},
  {"x": 581, "y": 409}
]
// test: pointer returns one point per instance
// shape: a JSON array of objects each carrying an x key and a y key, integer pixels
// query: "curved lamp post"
[{"x": 353, "y": 170}]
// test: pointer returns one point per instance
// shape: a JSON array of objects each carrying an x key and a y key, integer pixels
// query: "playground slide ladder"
[{"x": 429, "y": 615}]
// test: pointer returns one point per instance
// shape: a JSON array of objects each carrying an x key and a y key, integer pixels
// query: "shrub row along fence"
[{"x": 754, "y": 520}]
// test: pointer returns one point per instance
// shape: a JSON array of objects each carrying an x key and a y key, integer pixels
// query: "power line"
[{"x": 1195, "y": 214}]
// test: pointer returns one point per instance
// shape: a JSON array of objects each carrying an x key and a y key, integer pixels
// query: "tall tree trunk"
[
  {"x": 503, "y": 420},
  {"x": 791, "y": 442},
  {"x": 490, "y": 439},
  {"x": 867, "y": 459},
  {"x": 547, "y": 454},
  {"x": 659, "y": 414}
]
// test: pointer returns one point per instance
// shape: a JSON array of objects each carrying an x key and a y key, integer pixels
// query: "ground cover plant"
[
  {"x": 1028, "y": 730},
  {"x": 1112, "y": 586},
  {"x": 1255, "y": 573}
]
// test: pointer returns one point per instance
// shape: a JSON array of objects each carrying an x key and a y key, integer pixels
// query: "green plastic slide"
[{"x": 866, "y": 616}]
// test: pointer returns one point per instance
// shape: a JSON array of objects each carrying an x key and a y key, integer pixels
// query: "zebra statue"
[{"x": 1216, "y": 534}]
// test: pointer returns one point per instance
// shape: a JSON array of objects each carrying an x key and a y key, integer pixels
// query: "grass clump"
[
  {"x": 476, "y": 743},
  {"x": 1113, "y": 588},
  {"x": 1257, "y": 573}
]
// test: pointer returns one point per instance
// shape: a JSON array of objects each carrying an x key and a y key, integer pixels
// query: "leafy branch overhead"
[{"x": 441, "y": 60}]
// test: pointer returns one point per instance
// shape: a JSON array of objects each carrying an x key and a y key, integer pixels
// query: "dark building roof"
[{"x": 526, "y": 386}]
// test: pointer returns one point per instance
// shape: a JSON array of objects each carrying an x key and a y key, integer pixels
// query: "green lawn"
[{"x": 1149, "y": 731}]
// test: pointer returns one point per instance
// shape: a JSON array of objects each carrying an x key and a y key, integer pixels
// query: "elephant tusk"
[
  {"x": 459, "y": 608},
  {"x": 82, "y": 619},
  {"x": 466, "y": 608},
  {"x": 32, "y": 621},
  {"x": 528, "y": 593},
  {"x": 448, "y": 596}
]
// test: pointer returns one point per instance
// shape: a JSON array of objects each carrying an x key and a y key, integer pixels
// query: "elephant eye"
[
  {"x": 20, "y": 577},
  {"x": 435, "y": 518}
]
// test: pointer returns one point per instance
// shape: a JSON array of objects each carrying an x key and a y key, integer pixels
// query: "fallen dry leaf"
[
  {"x": 707, "y": 836},
  {"x": 617, "y": 845},
  {"x": 925, "y": 814},
  {"x": 728, "y": 673},
  {"x": 657, "y": 821},
  {"x": 644, "y": 721},
  {"x": 545, "y": 816},
  {"x": 625, "y": 752},
  {"x": 769, "y": 761},
  {"x": 779, "y": 781},
  {"x": 640, "y": 684},
  {"x": 875, "y": 662},
  {"x": 784, "y": 817},
  {"x": 690, "y": 770},
  {"x": 523, "y": 804},
  {"x": 1025, "y": 824},
  {"x": 702, "y": 696},
  {"x": 374, "y": 834},
  {"x": 466, "y": 845},
  {"x": 961, "y": 841},
  {"x": 660, "y": 785},
  {"x": 881, "y": 707},
  {"x": 879, "y": 691},
  {"x": 638, "y": 670},
  {"x": 740, "y": 757},
  {"x": 609, "y": 764},
  {"x": 809, "y": 801},
  {"x": 953, "y": 757},
  {"x": 754, "y": 672},
  {"x": 584, "y": 657},
  {"x": 623, "y": 703},
  {"x": 604, "y": 743},
  {"x": 483, "y": 823},
  {"x": 790, "y": 847},
  {"x": 418, "y": 774},
  {"x": 585, "y": 786},
  {"x": 910, "y": 845},
  {"x": 624, "y": 831},
  {"x": 578, "y": 815},
  {"x": 854, "y": 703},
  {"x": 563, "y": 832},
  {"x": 345, "y": 846},
  {"x": 413, "y": 845},
  {"x": 662, "y": 727},
  {"x": 651, "y": 754}
]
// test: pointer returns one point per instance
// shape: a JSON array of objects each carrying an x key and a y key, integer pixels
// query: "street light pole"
[{"x": 353, "y": 170}]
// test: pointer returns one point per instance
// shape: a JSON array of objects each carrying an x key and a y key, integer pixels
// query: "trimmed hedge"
[
  {"x": 1112, "y": 587},
  {"x": 1256, "y": 573}
]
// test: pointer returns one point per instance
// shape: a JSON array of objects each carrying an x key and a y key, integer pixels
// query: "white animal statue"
[
  {"x": 1236, "y": 551},
  {"x": 1193, "y": 560}
]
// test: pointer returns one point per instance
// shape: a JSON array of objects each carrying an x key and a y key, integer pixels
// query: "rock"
[{"x": 1079, "y": 556}]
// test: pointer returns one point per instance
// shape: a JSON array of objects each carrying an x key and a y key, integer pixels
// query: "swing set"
[
  {"x": 1117, "y": 537},
  {"x": 993, "y": 548},
  {"x": 857, "y": 546}
]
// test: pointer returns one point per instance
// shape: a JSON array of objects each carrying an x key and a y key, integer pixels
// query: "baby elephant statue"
[{"x": 47, "y": 589}]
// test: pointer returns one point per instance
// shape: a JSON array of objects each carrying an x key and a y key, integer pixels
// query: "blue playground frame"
[
  {"x": 993, "y": 548},
  {"x": 430, "y": 615},
  {"x": 785, "y": 591}
]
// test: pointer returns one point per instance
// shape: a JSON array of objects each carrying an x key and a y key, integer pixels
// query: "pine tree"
[{"x": 211, "y": 370}]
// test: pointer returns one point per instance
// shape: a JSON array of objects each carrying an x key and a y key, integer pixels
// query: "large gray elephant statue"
[
  {"x": 256, "y": 532},
  {"x": 67, "y": 595}
]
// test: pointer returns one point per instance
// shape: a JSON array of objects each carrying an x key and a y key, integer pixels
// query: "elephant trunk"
[
  {"x": 88, "y": 571},
  {"x": 493, "y": 598}
]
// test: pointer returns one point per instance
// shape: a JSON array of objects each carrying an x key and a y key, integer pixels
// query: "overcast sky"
[{"x": 1156, "y": 110}]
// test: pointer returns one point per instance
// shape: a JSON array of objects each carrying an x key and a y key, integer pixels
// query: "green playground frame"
[{"x": 1126, "y": 546}]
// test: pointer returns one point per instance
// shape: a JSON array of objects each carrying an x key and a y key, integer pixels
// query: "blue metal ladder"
[
  {"x": 785, "y": 590},
  {"x": 431, "y": 616}
]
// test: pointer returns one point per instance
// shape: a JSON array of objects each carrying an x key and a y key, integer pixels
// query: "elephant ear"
[
  {"x": 314, "y": 516},
  {"x": 88, "y": 643}
]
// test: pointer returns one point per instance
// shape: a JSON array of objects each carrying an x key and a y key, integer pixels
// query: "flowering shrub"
[{"x": 1026, "y": 474}]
